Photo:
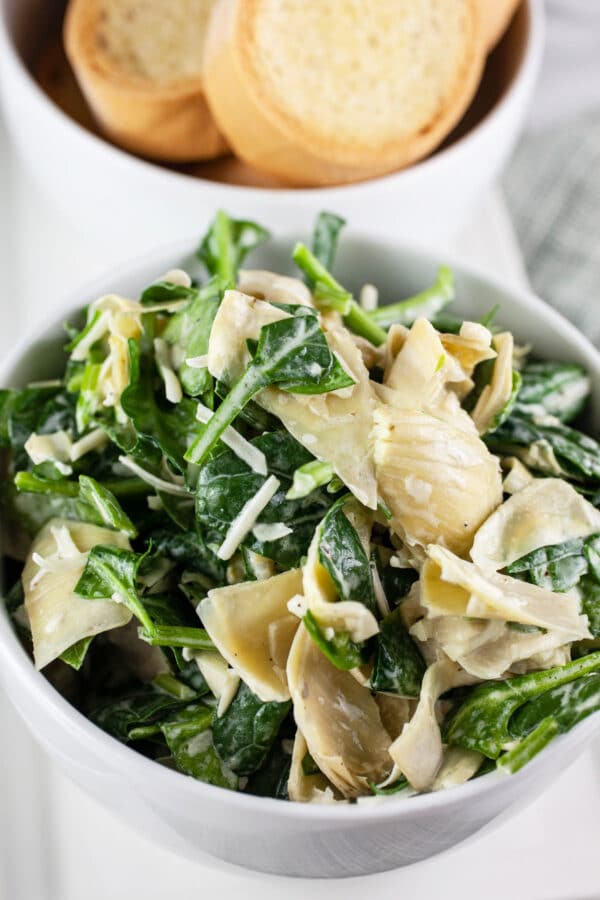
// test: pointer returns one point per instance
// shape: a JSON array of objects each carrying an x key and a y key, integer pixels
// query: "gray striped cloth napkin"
[{"x": 552, "y": 187}]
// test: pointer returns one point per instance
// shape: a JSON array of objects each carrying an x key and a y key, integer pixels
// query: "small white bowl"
[
  {"x": 195, "y": 819},
  {"x": 104, "y": 188}
]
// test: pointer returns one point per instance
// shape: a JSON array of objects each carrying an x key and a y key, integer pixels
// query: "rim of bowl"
[
  {"x": 521, "y": 83},
  {"x": 118, "y": 756}
]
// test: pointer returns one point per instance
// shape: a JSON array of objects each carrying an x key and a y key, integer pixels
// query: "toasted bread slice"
[
  {"x": 139, "y": 64},
  {"x": 495, "y": 18},
  {"x": 340, "y": 90}
]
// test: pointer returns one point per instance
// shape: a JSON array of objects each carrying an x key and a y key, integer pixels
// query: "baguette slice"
[
  {"x": 495, "y": 18},
  {"x": 139, "y": 64},
  {"x": 340, "y": 90}
]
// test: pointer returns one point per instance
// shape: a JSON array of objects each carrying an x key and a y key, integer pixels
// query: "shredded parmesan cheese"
[
  {"x": 271, "y": 531},
  {"x": 54, "y": 448},
  {"x": 167, "y": 487},
  {"x": 177, "y": 276},
  {"x": 369, "y": 297},
  {"x": 245, "y": 521},
  {"x": 197, "y": 362},
  {"x": 242, "y": 448},
  {"x": 93, "y": 441},
  {"x": 162, "y": 352}
]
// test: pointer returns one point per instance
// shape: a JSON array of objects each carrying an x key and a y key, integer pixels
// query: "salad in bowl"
[{"x": 302, "y": 544}]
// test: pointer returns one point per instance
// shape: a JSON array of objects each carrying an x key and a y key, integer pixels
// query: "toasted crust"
[
  {"x": 169, "y": 122},
  {"x": 267, "y": 134},
  {"x": 495, "y": 18}
]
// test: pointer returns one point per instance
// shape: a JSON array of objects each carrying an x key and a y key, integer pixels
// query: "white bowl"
[
  {"x": 195, "y": 819},
  {"x": 103, "y": 188}
]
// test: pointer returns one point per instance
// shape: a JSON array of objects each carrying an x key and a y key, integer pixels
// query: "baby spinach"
[
  {"x": 482, "y": 721},
  {"x": 293, "y": 354},
  {"x": 577, "y": 454},
  {"x": 396, "y": 787},
  {"x": 589, "y": 587},
  {"x": 42, "y": 410},
  {"x": 345, "y": 559},
  {"x": 226, "y": 484},
  {"x": 555, "y": 388},
  {"x": 112, "y": 571},
  {"x": 398, "y": 667},
  {"x": 340, "y": 649},
  {"x": 245, "y": 733},
  {"x": 136, "y": 707},
  {"x": 560, "y": 567},
  {"x": 167, "y": 427},
  {"x": 271, "y": 780},
  {"x": 329, "y": 294},
  {"x": 426, "y": 304},
  {"x": 189, "y": 330},
  {"x": 556, "y": 567},
  {"x": 105, "y": 505},
  {"x": 396, "y": 582},
  {"x": 325, "y": 237},
  {"x": 568, "y": 704},
  {"x": 74, "y": 655},
  {"x": 226, "y": 244},
  {"x": 166, "y": 292},
  {"x": 190, "y": 740},
  {"x": 189, "y": 550}
]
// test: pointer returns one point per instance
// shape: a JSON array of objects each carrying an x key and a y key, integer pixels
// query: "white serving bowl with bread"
[
  {"x": 303, "y": 839},
  {"x": 404, "y": 114}
]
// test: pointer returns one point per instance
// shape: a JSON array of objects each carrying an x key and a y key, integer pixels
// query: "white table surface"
[{"x": 57, "y": 844}]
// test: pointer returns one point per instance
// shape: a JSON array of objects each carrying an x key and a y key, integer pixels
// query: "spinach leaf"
[
  {"x": 226, "y": 245},
  {"x": 398, "y": 667},
  {"x": 577, "y": 454},
  {"x": 292, "y": 354},
  {"x": 74, "y": 655},
  {"x": 111, "y": 571},
  {"x": 190, "y": 740},
  {"x": 189, "y": 330},
  {"x": 482, "y": 721},
  {"x": 106, "y": 506},
  {"x": 560, "y": 567},
  {"x": 427, "y": 304},
  {"x": 244, "y": 734},
  {"x": 189, "y": 550},
  {"x": 340, "y": 650},
  {"x": 325, "y": 237},
  {"x": 568, "y": 704},
  {"x": 343, "y": 556},
  {"x": 166, "y": 292},
  {"x": 42, "y": 410},
  {"x": 554, "y": 388},
  {"x": 226, "y": 483},
  {"x": 396, "y": 582},
  {"x": 137, "y": 707},
  {"x": 38, "y": 499},
  {"x": 271, "y": 780},
  {"x": 329, "y": 294},
  {"x": 395, "y": 788},
  {"x": 556, "y": 567},
  {"x": 590, "y": 602},
  {"x": 166, "y": 428}
]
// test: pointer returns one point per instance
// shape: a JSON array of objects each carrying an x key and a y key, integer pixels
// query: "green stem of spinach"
[
  {"x": 530, "y": 746},
  {"x": 29, "y": 483},
  {"x": 329, "y": 294},
  {"x": 171, "y": 685},
  {"x": 251, "y": 382},
  {"x": 428, "y": 303},
  {"x": 177, "y": 636}
]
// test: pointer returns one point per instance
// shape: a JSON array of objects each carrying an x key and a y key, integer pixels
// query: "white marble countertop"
[{"x": 57, "y": 844}]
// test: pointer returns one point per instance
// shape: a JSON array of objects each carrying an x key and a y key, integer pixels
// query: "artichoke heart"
[{"x": 439, "y": 481}]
